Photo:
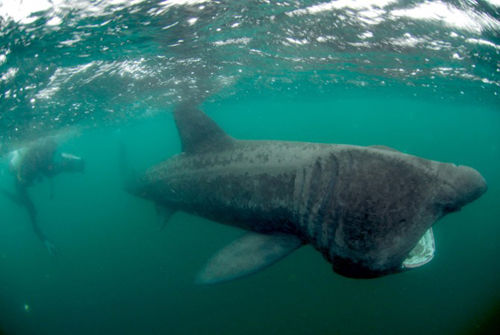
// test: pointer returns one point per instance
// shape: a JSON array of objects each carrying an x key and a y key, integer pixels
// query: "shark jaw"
[{"x": 422, "y": 253}]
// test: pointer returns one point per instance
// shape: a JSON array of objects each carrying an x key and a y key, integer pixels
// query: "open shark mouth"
[{"x": 422, "y": 253}]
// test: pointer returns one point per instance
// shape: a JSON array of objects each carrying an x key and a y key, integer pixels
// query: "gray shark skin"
[{"x": 364, "y": 208}]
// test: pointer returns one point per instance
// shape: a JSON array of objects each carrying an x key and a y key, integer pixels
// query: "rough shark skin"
[{"x": 363, "y": 208}]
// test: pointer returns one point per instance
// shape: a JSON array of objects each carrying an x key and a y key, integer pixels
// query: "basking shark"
[{"x": 368, "y": 210}]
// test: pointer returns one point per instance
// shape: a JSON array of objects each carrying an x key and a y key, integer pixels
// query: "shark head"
[
  {"x": 409, "y": 243},
  {"x": 460, "y": 185}
]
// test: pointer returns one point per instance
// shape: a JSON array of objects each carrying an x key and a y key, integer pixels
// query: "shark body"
[{"x": 368, "y": 210}]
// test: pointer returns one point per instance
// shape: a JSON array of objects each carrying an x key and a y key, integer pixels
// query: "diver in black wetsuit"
[{"x": 32, "y": 164}]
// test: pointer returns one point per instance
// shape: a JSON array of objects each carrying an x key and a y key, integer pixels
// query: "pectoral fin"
[{"x": 247, "y": 255}]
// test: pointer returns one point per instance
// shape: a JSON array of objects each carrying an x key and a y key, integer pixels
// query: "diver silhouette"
[{"x": 31, "y": 164}]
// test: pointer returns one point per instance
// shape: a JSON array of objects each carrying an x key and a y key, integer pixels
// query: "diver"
[{"x": 31, "y": 164}]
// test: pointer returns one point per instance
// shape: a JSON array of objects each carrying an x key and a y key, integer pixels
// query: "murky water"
[{"x": 422, "y": 77}]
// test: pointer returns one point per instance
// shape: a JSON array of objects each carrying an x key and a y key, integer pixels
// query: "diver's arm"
[{"x": 65, "y": 162}]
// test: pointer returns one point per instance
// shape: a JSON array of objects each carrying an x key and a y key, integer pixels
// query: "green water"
[{"x": 117, "y": 273}]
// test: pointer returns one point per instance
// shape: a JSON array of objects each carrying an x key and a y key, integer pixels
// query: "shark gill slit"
[
  {"x": 315, "y": 201},
  {"x": 313, "y": 196},
  {"x": 301, "y": 200},
  {"x": 327, "y": 223},
  {"x": 323, "y": 197}
]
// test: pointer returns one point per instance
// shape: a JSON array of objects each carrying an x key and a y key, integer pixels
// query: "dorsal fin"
[{"x": 198, "y": 132}]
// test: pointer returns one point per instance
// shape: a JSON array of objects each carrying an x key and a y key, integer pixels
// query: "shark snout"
[
  {"x": 471, "y": 183},
  {"x": 466, "y": 184}
]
